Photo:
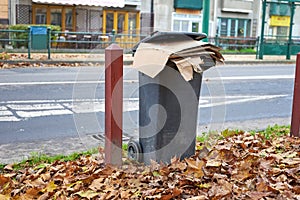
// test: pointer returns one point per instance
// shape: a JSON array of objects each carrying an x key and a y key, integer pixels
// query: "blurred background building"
[{"x": 231, "y": 18}]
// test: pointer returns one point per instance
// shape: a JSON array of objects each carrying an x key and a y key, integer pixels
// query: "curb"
[
  {"x": 129, "y": 62},
  {"x": 16, "y": 62}
]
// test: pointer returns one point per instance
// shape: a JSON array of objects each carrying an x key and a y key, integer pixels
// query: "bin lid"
[
  {"x": 38, "y": 30},
  {"x": 185, "y": 50},
  {"x": 158, "y": 37}
]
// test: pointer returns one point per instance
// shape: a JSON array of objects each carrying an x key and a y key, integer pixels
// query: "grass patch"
[
  {"x": 40, "y": 160},
  {"x": 269, "y": 133},
  {"x": 275, "y": 131},
  {"x": 125, "y": 147},
  {"x": 2, "y": 166},
  {"x": 236, "y": 51}
]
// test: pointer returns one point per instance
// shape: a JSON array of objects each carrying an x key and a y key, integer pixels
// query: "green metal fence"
[
  {"x": 15, "y": 39},
  {"x": 278, "y": 45},
  {"x": 234, "y": 43},
  {"x": 88, "y": 41},
  {"x": 92, "y": 40}
]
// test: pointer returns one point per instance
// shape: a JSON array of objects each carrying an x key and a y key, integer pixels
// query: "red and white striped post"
[
  {"x": 113, "y": 104},
  {"x": 295, "y": 124}
]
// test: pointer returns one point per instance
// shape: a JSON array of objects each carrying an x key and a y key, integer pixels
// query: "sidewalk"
[{"x": 63, "y": 59}]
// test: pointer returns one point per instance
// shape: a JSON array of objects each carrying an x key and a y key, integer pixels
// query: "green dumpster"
[{"x": 38, "y": 37}]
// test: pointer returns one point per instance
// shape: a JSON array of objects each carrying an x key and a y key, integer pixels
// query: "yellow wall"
[{"x": 4, "y": 9}]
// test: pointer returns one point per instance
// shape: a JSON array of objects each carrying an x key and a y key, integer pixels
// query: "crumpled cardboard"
[{"x": 150, "y": 58}]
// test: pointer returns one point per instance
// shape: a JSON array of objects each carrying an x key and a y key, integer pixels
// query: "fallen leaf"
[
  {"x": 97, "y": 184},
  {"x": 3, "y": 180},
  {"x": 296, "y": 189},
  {"x": 9, "y": 167},
  {"x": 291, "y": 161},
  {"x": 219, "y": 191},
  {"x": 125, "y": 195},
  {"x": 195, "y": 167},
  {"x": 87, "y": 194},
  {"x": 5, "y": 197},
  {"x": 254, "y": 195},
  {"x": 202, "y": 197},
  {"x": 213, "y": 163},
  {"x": 51, "y": 186}
]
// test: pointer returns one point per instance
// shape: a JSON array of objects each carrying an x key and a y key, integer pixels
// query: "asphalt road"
[{"x": 50, "y": 103}]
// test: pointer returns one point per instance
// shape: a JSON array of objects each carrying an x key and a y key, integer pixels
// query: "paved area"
[
  {"x": 91, "y": 57},
  {"x": 18, "y": 151}
]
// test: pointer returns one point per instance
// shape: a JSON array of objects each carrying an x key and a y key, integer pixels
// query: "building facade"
[
  {"x": 75, "y": 15},
  {"x": 278, "y": 18},
  {"x": 4, "y": 10},
  {"x": 236, "y": 18},
  {"x": 228, "y": 18}
]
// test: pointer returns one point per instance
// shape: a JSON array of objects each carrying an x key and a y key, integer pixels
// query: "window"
[
  {"x": 186, "y": 22},
  {"x": 63, "y": 16},
  {"x": 282, "y": 31},
  {"x": 56, "y": 17},
  {"x": 234, "y": 27},
  {"x": 132, "y": 23},
  {"x": 69, "y": 19},
  {"x": 41, "y": 16},
  {"x": 109, "y": 22},
  {"x": 121, "y": 21}
]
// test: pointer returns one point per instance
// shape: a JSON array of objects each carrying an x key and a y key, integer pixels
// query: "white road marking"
[
  {"x": 46, "y": 106},
  {"x": 41, "y": 108},
  {"x": 227, "y": 78},
  {"x": 238, "y": 100},
  {"x": 5, "y": 113},
  {"x": 86, "y": 107},
  {"x": 30, "y": 114},
  {"x": 9, "y": 119},
  {"x": 61, "y": 82},
  {"x": 267, "y": 77},
  {"x": 3, "y": 108}
]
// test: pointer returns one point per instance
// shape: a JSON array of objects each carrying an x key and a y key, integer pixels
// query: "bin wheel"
[{"x": 134, "y": 151}]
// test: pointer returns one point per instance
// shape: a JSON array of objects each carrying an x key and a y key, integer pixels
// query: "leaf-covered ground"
[
  {"x": 244, "y": 166},
  {"x": 89, "y": 59}
]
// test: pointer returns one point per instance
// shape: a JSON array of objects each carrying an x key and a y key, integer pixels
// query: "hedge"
[{"x": 24, "y": 36}]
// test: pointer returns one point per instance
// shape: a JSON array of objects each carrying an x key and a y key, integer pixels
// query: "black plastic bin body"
[{"x": 168, "y": 111}]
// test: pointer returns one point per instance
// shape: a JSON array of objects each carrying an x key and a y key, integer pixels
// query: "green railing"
[
  {"x": 92, "y": 40},
  {"x": 278, "y": 45},
  {"x": 234, "y": 43},
  {"x": 15, "y": 39},
  {"x": 65, "y": 41},
  {"x": 88, "y": 41}
]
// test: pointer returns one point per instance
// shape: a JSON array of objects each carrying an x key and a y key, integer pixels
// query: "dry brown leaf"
[
  {"x": 213, "y": 163},
  {"x": 5, "y": 197},
  {"x": 219, "y": 191},
  {"x": 195, "y": 167},
  {"x": 257, "y": 195},
  {"x": 202, "y": 197},
  {"x": 4, "y": 180},
  {"x": 97, "y": 184},
  {"x": 87, "y": 194},
  {"x": 51, "y": 186},
  {"x": 296, "y": 189}
]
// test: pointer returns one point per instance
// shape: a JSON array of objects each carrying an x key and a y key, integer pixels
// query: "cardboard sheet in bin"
[{"x": 187, "y": 53}]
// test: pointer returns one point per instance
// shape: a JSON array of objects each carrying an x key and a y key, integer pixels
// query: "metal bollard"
[
  {"x": 295, "y": 124},
  {"x": 113, "y": 104}
]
